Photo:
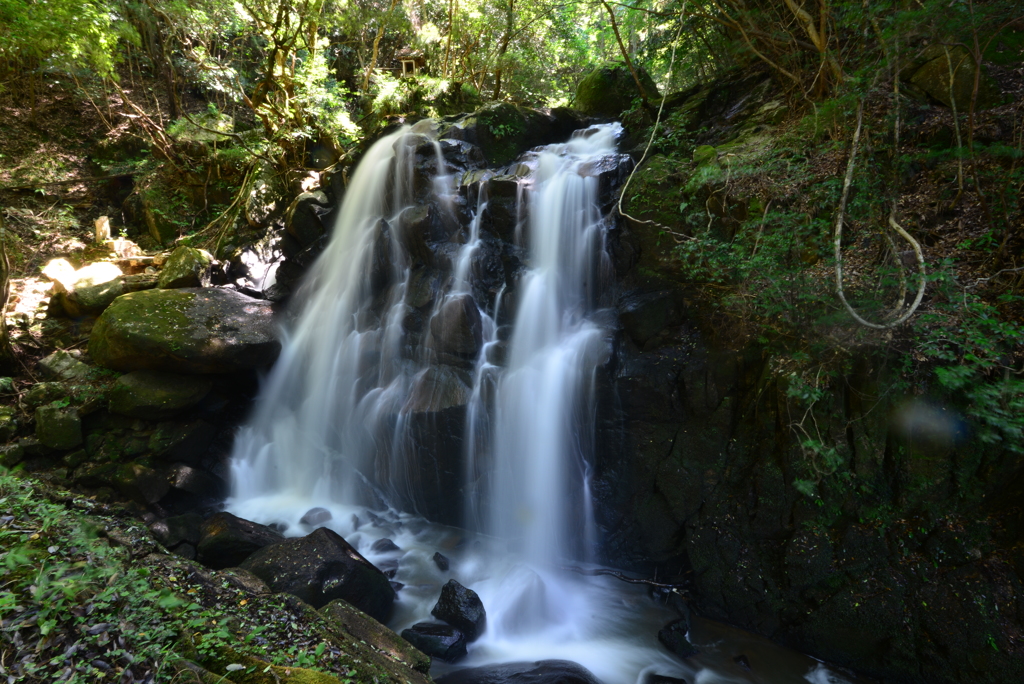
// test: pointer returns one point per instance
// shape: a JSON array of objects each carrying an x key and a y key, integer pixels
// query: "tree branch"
[{"x": 838, "y": 241}]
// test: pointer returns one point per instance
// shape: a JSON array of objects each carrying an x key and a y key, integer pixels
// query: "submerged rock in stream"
[
  {"x": 540, "y": 672},
  {"x": 320, "y": 568},
  {"x": 673, "y": 637}
]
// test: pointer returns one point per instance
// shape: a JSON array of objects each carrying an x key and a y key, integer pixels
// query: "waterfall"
[
  {"x": 391, "y": 326},
  {"x": 544, "y": 408},
  {"x": 313, "y": 435},
  {"x": 332, "y": 424}
]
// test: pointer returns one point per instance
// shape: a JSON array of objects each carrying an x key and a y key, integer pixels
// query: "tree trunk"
[
  {"x": 625, "y": 54},
  {"x": 376, "y": 47},
  {"x": 510, "y": 23}
]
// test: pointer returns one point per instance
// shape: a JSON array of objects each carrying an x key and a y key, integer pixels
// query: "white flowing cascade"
[
  {"x": 544, "y": 410},
  {"x": 327, "y": 427}
]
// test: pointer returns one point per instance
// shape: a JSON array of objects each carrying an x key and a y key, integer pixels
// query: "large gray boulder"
[
  {"x": 185, "y": 331},
  {"x": 156, "y": 395},
  {"x": 320, "y": 568}
]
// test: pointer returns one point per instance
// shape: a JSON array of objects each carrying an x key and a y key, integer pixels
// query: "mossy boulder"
[
  {"x": 43, "y": 393},
  {"x": 141, "y": 484},
  {"x": 155, "y": 395},
  {"x": 610, "y": 89},
  {"x": 185, "y": 331},
  {"x": 85, "y": 291},
  {"x": 933, "y": 78},
  {"x": 350, "y": 624},
  {"x": 186, "y": 267},
  {"x": 58, "y": 427},
  {"x": 8, "y": 423}
]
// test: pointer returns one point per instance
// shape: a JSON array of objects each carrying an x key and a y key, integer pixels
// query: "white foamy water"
[{"x": 330, "y": 427}]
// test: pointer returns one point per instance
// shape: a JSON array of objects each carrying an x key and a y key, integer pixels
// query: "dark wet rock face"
[
  {"x": 228, "y": 540},
  {"x": 437, "y": 640},
  {"x": 456, "y": 329},
  {"x": 461, "y": 608},
  {"x": 540, "y": 672},
  {"x": 320, "y": 568},
  {"x": 184, "y": 442},
  {"x": 179, "y": 529},
  {"x": 304, "y": 220}
]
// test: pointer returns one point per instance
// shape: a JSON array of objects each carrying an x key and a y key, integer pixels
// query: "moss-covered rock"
[
  {"x": 43, "y": 393},
  {"x": 610, "y": 89},
  {"x": 350, "y": 624},
  {"x": 61, "y": 365},
  {"x": 155, "y": 395},
  {"x": 186, "y": 267},
  {"x": 185, "y": 331},
  {"x": 933, "y": 77},
  {"x": 140, "y": 483},
  {"x": 8, "y": 423},
  {"x": 58, "y": 427}
]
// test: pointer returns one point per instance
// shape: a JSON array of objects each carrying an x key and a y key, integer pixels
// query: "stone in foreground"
[
  {"x": 461, "y": 608},
  {"x": 437, "y": 640},
  {"x": 186, "y": 330},
  {"x": 320, "y": 568},
  {"x": 358, "y": 626},
  {"x": 540, "y": 672}
]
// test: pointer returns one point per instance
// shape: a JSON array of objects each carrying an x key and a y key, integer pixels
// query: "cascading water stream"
[
  {"x": 544, "y": 408},
  {"x": 332, "y": 426}
]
